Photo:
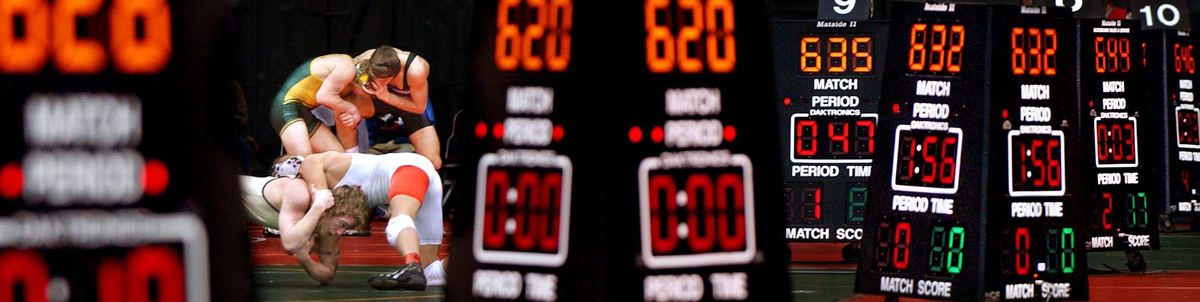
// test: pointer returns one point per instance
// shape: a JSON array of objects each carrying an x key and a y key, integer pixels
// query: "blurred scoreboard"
[
  {"x": 618, "y": 153},
  {"x": 827, "y": 77},
  {"x": 975, "y": 125},
  {"x": 104, "y": 152},
  {"x": 1170, "y": 71}
]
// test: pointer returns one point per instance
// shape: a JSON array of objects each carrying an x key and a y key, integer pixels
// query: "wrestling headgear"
[{"x": 289, "y": 167}]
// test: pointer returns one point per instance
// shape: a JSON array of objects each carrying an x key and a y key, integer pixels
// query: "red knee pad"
[{"x": 409, "y": 180}]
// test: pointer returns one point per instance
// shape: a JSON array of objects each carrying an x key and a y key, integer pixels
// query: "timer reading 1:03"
[
  {"x": 1057, "y": 244},
  {"x": 704, "y": 36},
  {"x": 523, "y": 214},
  {"x": 833, "y": 138},
  {"x": 1116, "y": 142},
  {"x": 895, "y": 245},
  {"x": 936, "y": 47},
  {"x": 696, "y": 215},
  {"x": 836, "y": 54},
  {"x": 926, "y": 161},
  {"x": 1035, "y": 164}
]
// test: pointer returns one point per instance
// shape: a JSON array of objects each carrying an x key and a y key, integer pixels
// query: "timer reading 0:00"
[
  {"x": 522, "y": 213},
  {"x": 696, "y": 216},
  {"x": 147, "y": 273}
]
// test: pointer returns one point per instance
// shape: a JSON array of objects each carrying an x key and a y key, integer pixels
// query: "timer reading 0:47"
[{"x": 838, "y": 138}]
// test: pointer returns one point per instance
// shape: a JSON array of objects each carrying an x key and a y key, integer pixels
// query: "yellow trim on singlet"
[{"x": 305, "y": 91}]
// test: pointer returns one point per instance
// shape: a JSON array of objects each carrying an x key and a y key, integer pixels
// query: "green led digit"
[
  {"x": 954, "y": 257},
  {"x": 935, "y": 256},
  {"x": 1053, "y": 251},
  {"x": 1137, "y": 211},
  {"x": 858, "y": 201},
  {"x": 1068, "y": 250}
]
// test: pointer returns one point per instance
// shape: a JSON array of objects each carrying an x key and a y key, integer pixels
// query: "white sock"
[{"x": 435, "y": 275}]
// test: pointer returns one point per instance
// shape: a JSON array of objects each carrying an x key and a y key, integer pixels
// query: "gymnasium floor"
[{"x": 1174, "y": 273}]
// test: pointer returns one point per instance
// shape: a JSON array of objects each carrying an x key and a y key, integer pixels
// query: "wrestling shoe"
[{"x": 409, "y": 277}]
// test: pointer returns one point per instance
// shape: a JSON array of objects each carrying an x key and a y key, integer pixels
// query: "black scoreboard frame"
[
  {"x": 918, "y": 242},
  {"x": 825, "y": 194}
]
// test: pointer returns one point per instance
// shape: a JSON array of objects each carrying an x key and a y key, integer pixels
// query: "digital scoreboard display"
[
  {"x": 1035, "y": 214},
  {"x": 105, "y": 152},
  {"x": 1121, "y": 199},
  {"x": 518, "y": 174},
  {"x": 619, "y": 146},
  {"x": 975, "y": 126},
  {"x": 922, "y": 229},
  {"x": 827, "y": 79},
  {"x": 1170, "y": 71}
]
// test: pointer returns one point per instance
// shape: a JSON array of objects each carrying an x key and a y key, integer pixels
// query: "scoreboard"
[
  {"x": 105, "y": 151},
  {"x": 976, "y": 124},
  {"x": 1170, "y": 70},
  {"x": 619, "y": 153},
  {"x": 1121, "y": 200},
  {"x": 827, "y": 77},
  {"x": 1034, "y": 214}
]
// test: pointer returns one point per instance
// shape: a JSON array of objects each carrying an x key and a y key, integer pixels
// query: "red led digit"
[
  {"x": 909, "y": 157},
  {"x": 689, "y": 34},
  {"x": 937, "y": 51},
  {"x": 1107, "y": 211},
  {"x": 1130, "y": 138},
  {"x": 916, "y": 47},
  {"x": 558, "y": 42},
  {"x": 1101, "y": 49},
  {"x": 1101, "y": 142},
  {"x": 1054, "y": 165},
  {"x": 1039, "y": 181},
  {"x": 868, "y": 139},
  {"x": 838, "y": 133},
  {"x": 662, "y": 214},
  {"x": 806, "y": 138},
  {"x": 158, "y": 263},
  {"x": 862, "y": 49},
  {"x": 550, "y": 203},
  {"x": 1035, "y": 51},
  {"x": 1018, "y": 50},
  {"x": 900, "y": 250},
  {"x": 731, "y": 203},
  {"x": 1113, "y": 54},
  {"x": 145, "y": 53},
  {"x": 957, "y": 38},
  {"x": 73, "y": 55},
  {"x": 1050, "y": 52},
  {"x": 528, "y": 189},
  {"x": 660, "y": 44},
  {"x": 1178, "y": 59},
  {"x": 1191, "y": 60},
  {"x": 1024, "y": 151},
  {"x": 810, "y": 60},
  {"x": 508, "y": 37},
  {"x": 495, "y": 209},
  {"x": 24, "y": 268},
  {"x": 110, "y": 279},
  {"x": 1123, "y": 49},
  {"x": 930, "y": 159},
  {"x": 946, "y": 169},
  {"x": 700, "y": 204},
  {"x": 1021, "y": 260},
  {"x": 533, "y": 31},
  {"x": 722, "y": 45},
  {"x": 27, "y": 54},
  {"x": 837, "y": 53}
]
